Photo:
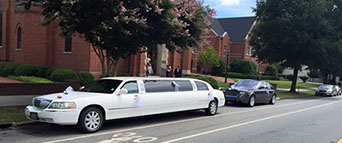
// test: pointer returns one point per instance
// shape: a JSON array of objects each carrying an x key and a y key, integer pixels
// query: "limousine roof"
[{"x": 147, "y": 78}]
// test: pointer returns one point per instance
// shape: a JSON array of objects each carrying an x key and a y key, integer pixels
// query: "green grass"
[
  {"x": 282, "y": 94},
  {"x": 287, "y": 84},
  {"x": 222, "y": 84},
  {"x": 12, "y": 114},
  {"x": 31, "y": 79}
]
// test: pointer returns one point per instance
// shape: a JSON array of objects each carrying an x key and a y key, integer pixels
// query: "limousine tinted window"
[
  {"x": 158, "y": 86},
  {"x": 201, "y": 86},
  {"x": 184, "y": 85},
  {"x": 131, "y": 86},
  {"x": 104, "y": 86}
]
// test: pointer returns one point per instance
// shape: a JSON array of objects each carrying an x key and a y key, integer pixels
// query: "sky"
[{"x": 232, "y": 8}]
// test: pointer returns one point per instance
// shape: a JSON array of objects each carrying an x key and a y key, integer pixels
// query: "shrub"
[
  {"x": 210, "y": 80},
  {"x": 271, "y": 70},
  {"x": 85, "y": 78},
  {"x": 2, "y": 65},
  {"x": 304, "y": 78},
  {"x": 42, "y": 71},
  {"x": 123, "y": 74},
  {"x": 217, "y": 71},
  {"x": 31, "y": 79},
  {"x": 9, "y": 69},
  {"x": 60, "y": 75},
  {"x": 49, "y": 72},
  {"x": 268, "y": 78},
  {"x": 240, "y": 75},
  {"x": 25, "y": 70},
  {"x": 244, "y": 67}
]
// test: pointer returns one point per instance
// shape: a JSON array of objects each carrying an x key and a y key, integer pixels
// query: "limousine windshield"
[{"x": 104, "y": 86}]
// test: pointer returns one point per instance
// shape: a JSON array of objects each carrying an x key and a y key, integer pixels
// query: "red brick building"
[
  {"x": 24, "y": 40},
  {"x": 232, "y": 35}
]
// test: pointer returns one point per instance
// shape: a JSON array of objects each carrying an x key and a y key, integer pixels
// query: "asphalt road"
[{"x": 301, "y": 120}]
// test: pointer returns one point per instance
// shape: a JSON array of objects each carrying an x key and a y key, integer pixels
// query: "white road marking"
[
  {"x": 174, "y": 122},
  {"x": 250, "y": 122}
]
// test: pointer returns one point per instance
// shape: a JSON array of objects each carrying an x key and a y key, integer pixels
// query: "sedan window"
[{"x": 247, "y": 83}]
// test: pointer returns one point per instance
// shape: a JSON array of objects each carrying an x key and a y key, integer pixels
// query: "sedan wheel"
[
  {"x": 273, "y": 99},
  {"x": 212, "y": 109},
  {"x": 251, "y": 101},
  {"x": 91, "y": 120}
]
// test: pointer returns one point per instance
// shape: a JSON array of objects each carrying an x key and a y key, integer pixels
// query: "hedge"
[
  {"x": 271, "y": 70},
  {"x": 42, "y": 71},
  {"x": 304, "y": 78},
  {"x": 8, "y": 69},
  {"x": 85, "y": 78},
  {"x": 244, "y": 67},
  {"x": 210, "y": 80},
  {"x": 25, "y": 70},
  {"x": 240, "y": 75},
  {"x": 265, "y": 77},
  {"x": 61, "y": 74}
]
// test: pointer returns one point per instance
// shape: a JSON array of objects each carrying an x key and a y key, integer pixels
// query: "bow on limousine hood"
[{"x": 74, "y": 96}]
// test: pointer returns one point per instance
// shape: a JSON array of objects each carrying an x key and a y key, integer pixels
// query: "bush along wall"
[
  {"x": 210, "y": 80},
  {"x": 243, "y": 67}
]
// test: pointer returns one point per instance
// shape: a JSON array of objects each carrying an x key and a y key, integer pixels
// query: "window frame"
[
  {"x": 68, "y": 44},
  {"x": 138, "y": 90}
]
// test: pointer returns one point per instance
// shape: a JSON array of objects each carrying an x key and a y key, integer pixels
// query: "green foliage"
[
  {"x": 123, "y": 74},
  {"x": 208, "y": 58},
  {"x": 9, "y": 69},
  {"x": 210, "y": 80},
  {"x": 241, "y": 76},
  {"x": 314, "y": 73},
  {"x": 42, "y": 71},
  {"x": 60, "y": 75},
  {"x": 25, "y": 70},
  {"x": 268, "y": 77},
  {"x": 280, "y": 68},
  {"x": 243, "y": 67},
  {"x": 30, "y": 79},
  {"x": 217, "y": 71},
  {"x": 2, "y": 65},
  {"x": 85, "y": 78},
  {"x": 304, "y": 78},
  {"x": 271, "y": 70}
]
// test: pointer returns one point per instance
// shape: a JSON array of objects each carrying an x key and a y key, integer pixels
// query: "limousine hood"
[{"x": 69, "y": 97}]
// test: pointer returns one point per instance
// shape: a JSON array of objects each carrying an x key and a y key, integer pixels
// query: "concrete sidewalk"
[{"x": 21, "y": 100}]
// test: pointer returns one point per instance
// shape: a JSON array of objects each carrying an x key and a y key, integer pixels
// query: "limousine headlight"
[{"x": 62, "y": 105}]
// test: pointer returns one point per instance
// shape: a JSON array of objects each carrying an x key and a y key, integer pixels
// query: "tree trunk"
[{"x": 294, "y": 80}]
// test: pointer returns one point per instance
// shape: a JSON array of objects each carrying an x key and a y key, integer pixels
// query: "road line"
[
  {"x": 174, "y": 122},
  {"x": 250, "y": 122}
]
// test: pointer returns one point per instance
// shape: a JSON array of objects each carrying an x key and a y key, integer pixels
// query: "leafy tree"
[
  {"x": 208, "y": 58},
  {"x": 271, "y": 70},
  {"x": 314, "y": 73},
  {"x": 294, "y": 33},
  {"x": 219, "y": 70},
  {"x": 244, "y": 67},
  {"x": 119, "y": 28},
  {"x": 280, "y": 68}
]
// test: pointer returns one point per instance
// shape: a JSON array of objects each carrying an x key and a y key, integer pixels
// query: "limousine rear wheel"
[
  {"x": 91, "y": 120},
  {"x": 212, "y": 108}
]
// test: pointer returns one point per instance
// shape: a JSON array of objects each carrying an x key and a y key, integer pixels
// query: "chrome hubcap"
[
  {"x": 252, "y": 101},
  {"x": 273, "y": 99},
  {"x": 212, "y": 107},
  {"x": 92, "y": 120}
]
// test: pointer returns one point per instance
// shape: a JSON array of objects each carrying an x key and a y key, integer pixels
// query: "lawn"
[
  {"x": 287, "y": 84},
  {"x": 12, "y": 114},
  {"x": 283, "y": 94},
  {"x": 31, "y": 79}
]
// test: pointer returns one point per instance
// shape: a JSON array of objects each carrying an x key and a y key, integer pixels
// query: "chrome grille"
[
  {"x": 231, "y": 92},
  {"x": 41, "y": 102}
]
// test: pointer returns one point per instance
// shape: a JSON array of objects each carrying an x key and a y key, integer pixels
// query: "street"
[{"x": 300, "y": 120}]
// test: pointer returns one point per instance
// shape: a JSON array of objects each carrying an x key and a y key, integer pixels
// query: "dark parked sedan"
[
  {"x": 328, "y": 90},
  {"x": 250, "y": 92}
]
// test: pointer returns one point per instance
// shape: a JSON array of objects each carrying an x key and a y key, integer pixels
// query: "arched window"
[{"x": 19, "y": 36}]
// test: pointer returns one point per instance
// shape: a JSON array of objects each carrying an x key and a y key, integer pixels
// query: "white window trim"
[{"x": 67, "y": 53}]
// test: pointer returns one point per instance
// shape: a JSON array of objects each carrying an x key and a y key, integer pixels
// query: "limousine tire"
[
  {"x": 90, "y": 120},
  {"x": 212, "y": 108}
]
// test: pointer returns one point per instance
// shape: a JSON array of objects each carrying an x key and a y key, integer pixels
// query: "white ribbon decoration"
[
  {"x": 177, "y": 86},
  {"x": 211, "y": 96},
  {"x": 69, "y": 91}
]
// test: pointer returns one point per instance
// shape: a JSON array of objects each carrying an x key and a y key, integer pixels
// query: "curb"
[
  {"x": 6, "y": 125},
  {"x": 14, "y": 124}
]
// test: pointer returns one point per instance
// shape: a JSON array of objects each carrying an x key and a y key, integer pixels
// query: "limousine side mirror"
[{"x": 123, "y": 91}]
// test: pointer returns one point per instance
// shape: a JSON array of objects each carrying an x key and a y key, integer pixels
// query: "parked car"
[
  {"x": 122, "y": 97},
  {"x": 328, "y": 90},
  {"x": 251, "y": 92}
]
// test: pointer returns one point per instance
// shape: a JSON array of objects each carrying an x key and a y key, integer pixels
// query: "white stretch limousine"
[{"x": 122, "y": 97}]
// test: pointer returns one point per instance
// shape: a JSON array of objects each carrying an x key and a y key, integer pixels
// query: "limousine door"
[
  {"x": 127, "y": 105},
  {"x": 203, "y": 94}
]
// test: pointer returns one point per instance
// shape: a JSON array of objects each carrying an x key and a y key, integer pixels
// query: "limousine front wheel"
[
  {"x": 212, "y": 109},
  {"x": 91, "y": 120}
]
